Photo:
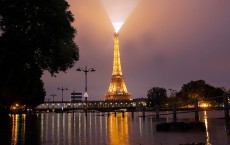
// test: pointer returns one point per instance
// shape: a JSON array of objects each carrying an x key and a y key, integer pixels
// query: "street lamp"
[
  {"x": 86, "y": 70},
  {"x": 53, "y": 95},
  {"x": 62, "y": 89},
  {"x": 48, "y": 101}
]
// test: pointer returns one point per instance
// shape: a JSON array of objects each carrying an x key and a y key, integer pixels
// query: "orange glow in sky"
[{"x": 164, "y": 43}]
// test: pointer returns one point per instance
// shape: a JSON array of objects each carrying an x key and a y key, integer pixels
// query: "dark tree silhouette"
[
  {"x": 199, "y": 90},
  {"x": 35, "y": 35},
  {"x": 157, "y": 96}
]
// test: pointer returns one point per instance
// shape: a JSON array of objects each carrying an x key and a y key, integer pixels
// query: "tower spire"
[
  {"x": 116, "y": 58},
  {"x": 117, "y": 88}
]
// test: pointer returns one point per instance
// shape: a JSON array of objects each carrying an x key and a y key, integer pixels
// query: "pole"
[
  {"x": 62, "y": 105},
  {"x": 86, "y": 78},
  {"x": 86, "y": 71},
  {"x": 48, "y": 103},
  {"x": 62, "y": 95},
  {"x": 143, "y": 113},
  {"x": 196, "y": 110},
  {"x": 85, "y": 106},
  {"x": 62, "y": 90},
  {"x": 157, "y": 113},
  {"x": 132, "y": 114},
  {"x": 123, "y": 114},
  {"x": 174, "y": 112},
  {"x": 226, "y": 111},
  {"x": 53, "y": 100}
]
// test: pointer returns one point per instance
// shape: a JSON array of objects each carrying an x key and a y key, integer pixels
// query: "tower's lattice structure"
[{"x": 117, "y": 88}]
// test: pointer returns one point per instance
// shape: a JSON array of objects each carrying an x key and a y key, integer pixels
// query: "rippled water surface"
[{"x": 101, "y": 129}]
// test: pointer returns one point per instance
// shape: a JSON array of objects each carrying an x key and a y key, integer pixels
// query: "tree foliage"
[
  {"x": 199, "y": 90},
  {"x": 157, "y": 96},
  {"x": 36, "y": 35}
]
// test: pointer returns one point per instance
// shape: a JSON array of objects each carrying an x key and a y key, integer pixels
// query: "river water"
[{"x": 101, "y": 129}]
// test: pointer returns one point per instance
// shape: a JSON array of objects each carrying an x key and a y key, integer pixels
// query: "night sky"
[{"x": 163, "y": 43}]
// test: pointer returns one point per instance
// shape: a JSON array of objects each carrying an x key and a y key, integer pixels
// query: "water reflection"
[
  {"x": 99, "y": 128},
  {"x": 141, "y": 126},
  {"x": 207, "y": 129},
  {"x": 18, "y": 129},
  {"x": 118, "y": 132}
]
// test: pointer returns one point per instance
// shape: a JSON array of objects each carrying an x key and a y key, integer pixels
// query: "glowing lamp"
[
  {"x": 117, "y": 26},
  {"x": 204, "y": 105}
]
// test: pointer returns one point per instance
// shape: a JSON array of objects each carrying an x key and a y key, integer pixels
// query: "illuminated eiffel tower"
[{"x": 117, "y": 88}]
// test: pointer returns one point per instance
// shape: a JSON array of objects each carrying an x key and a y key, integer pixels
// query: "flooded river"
[{"x": 101, "y": 129}]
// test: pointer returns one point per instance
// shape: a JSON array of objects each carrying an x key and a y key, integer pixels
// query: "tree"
[
  {"x": 36, "y": 35},
  {"x": 157, "y": 96},
  {"x": 199, "y": 90}
]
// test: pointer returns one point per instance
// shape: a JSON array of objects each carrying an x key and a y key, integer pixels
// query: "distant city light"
[{"x": 204, "y": 105}]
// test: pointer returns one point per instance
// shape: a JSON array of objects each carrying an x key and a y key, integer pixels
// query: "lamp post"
[
  {"x": 62, "y": 89},
  {"x": 48, "y": 101},
  {"x": 86, "y": 70},
  {"x": 53, "y": 95}
]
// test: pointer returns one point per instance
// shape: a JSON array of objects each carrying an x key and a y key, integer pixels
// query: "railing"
[
  {"x": 141, "y": 105},
  {"x": 91, "y": 105},
  {"x": 195, "y": 107}
]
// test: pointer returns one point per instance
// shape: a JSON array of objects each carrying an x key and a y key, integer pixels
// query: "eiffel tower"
[{"x": 117, "y": 88}]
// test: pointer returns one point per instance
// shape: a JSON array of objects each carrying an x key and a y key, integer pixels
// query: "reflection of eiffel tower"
[{"x": 117, "y": 88}]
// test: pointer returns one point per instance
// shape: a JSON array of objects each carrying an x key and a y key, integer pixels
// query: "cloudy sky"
[{"x": 163, "y": 43}]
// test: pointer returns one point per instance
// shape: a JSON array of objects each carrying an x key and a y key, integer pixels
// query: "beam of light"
[
  {"x": 119, "y": 10},
  {"x": 117, "y": 26}
]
